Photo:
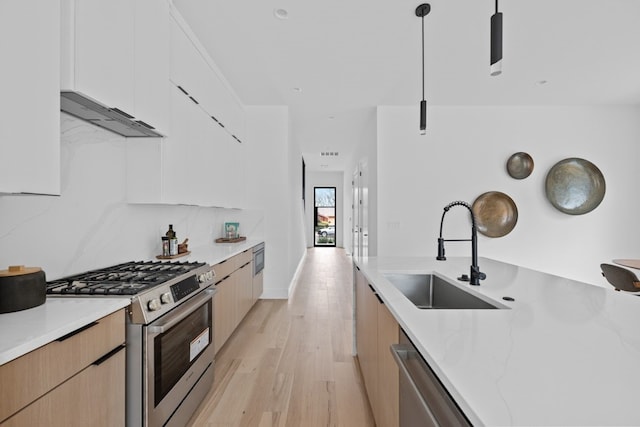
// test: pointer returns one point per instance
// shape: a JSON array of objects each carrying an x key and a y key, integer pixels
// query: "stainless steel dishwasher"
[{"x": 424, "y": 401}]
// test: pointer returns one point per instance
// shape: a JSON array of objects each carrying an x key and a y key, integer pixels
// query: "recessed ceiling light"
[{"x": 281, "y": 13}]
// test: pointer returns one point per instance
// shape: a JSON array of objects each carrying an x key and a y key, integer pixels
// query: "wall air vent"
[{"x": 329, "y": 154}]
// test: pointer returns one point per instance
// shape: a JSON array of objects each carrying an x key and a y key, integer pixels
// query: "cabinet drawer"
[
  {"x": 244, "y": 257},
  {"x": 25, "y": 379},
  {"x": 94, "y": 397},
  {"x": 224, "y": 268}
]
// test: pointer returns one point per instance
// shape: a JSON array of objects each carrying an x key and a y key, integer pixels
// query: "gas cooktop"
[{"x": 130, "y": 278}]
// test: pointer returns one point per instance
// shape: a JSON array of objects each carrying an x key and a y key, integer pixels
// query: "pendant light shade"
[
  {"x": 423, "y": 117},
  {"x": 496, "y": 43},
  {"x": 422, "y": 11}
]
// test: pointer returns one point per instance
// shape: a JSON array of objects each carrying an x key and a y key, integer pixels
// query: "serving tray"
[
  {"x": 173, "y": 256},
  {"x": 228, "y": 240}
]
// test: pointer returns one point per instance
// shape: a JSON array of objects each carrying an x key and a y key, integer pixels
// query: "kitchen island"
[{"x": 561, "y": 353}]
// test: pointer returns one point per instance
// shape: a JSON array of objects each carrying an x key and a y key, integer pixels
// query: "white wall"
[
  {"x": 464, "y": 154},
  {"x": 274, "y": 185},
  {"x": 365, "y": 151},
  {"x": 297, "y": 245},
  {"x": 326, "y": 179},
  {"x": 91, "y": 225}
]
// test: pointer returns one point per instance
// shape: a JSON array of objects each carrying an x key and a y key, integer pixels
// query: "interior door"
[
  {"x": 364, "y": 209},
  {"x": 355, "y": 214}
]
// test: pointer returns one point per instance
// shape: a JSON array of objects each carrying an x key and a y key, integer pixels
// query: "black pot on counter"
[{"x": 22, "y": 288}]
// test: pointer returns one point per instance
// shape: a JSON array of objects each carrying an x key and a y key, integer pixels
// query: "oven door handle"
[{"x": 185, "y": 310}]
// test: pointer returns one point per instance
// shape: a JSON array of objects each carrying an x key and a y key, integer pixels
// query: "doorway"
[
  {"x": 324, "y": 228},
  {"x": 360, "y": 211}
]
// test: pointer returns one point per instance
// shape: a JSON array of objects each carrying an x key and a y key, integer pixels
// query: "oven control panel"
[
  {"x": 206, "y": 276},
  {"x": 160, "y": 300}
]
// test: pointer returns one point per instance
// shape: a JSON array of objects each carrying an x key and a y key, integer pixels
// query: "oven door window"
[{"x": 178, "y": 348}]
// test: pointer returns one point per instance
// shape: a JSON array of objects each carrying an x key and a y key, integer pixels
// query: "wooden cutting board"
[{"x": 631, "y": 263}]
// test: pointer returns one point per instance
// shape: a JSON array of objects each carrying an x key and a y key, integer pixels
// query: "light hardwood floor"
[{"x": 289, "y": 363}]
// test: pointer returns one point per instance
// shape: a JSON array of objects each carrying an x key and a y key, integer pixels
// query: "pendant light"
[
  {"x": 496, "y": 43},
  {"x": 422, "y": 11}
]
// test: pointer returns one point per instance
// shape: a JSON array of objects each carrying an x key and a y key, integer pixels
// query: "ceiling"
[{"x": 333, "y": 62}]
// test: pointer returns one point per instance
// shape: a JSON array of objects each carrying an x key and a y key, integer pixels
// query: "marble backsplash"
[{"x": 91, "y": 224}]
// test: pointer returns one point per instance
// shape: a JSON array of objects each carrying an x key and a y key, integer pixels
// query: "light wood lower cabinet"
[
  {"x": 234, "y": 297},
  {"x": 77, "y": 380},
  {"x": 224, "y": 311},
  {"x": 244, "y": 282},
  {"x": 93, "y": 397},
  {"x": 367, "y": 337},
  {"x": 258, "y": 286},
  {"x": 376, "y": 331},
  {"x": 388, "y": 413}
]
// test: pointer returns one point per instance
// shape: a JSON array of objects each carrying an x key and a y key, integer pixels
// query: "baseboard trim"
[
  {"x": 283, "y": 293},
  {"x": 274, "y": 294},
  {"x": 294, "y": 281}
]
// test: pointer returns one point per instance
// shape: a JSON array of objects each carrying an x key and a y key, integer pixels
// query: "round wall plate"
[
  {"x": 519, "y": 165},
  {"x": 575, "y": 186},
  {"x": 496, "y": 214}
]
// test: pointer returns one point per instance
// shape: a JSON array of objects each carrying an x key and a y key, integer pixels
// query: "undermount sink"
[{"x": 429, "y": 291}]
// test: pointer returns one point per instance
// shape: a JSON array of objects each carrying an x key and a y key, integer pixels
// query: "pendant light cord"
[
  {"x": 496, "y": 6},
  {"x": 423, "y": 56}
]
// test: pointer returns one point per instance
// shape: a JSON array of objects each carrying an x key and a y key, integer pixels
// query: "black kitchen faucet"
[{"x": 476, "y": 274}]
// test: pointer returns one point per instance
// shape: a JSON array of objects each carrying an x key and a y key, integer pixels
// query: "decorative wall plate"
[
  {"x": 575, "y": 186},
  {"x": 496, "y": 214},
  {"x": 520, "y": 165}
]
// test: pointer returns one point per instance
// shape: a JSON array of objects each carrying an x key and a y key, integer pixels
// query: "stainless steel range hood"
[{"x": 90, "y": 110}]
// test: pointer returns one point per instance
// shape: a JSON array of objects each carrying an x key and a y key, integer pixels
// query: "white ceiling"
[{"x": 347, "y": 57}]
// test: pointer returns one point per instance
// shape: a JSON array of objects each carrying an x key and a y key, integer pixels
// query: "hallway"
[{"x": 289, "y": 363}]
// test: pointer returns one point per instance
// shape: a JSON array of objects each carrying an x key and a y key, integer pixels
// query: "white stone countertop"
[
  {"x": 218, "y": 252},
  {"x": 564, "y": 353},
  {"x": 26, "y": 330}
]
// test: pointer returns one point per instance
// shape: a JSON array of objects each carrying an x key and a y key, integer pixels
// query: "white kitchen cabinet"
[
  {"x": 237, "y": 119},
  {"x": 186, "y": 63},
  {"x": 198, "y": 164},
  {"x": 151, "y": 63},
  {"x": 191, "y": 70},
  {"x": 117, "y": 53},
  {"x": 224, "y": 167},
  {"x": 98, "y": 49},
  {"x": 30, "y": 102}
]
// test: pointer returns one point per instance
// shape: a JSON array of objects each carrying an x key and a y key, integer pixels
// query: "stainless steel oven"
[
  {"x": 179, "y": 355},
  {"x": 169, "y": 334},
  {"x": 258, "y": 258}
]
